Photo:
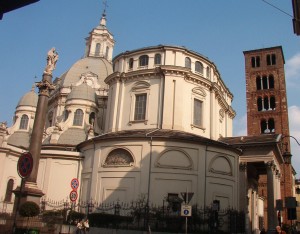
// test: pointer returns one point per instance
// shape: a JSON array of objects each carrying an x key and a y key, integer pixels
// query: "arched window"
[
  {"x": 266, "y": 103},
  {"x": 106, "y": 52},
  {"x": 199, "y": 67},
  {"x": 157, "y": 59},
  {"x": 271, "y": 82},
  {"x": 263, "y": 126},
  {"x": 188, "y": 62},
  {"x": 271, "y": 59},
  {"x": 258, "y": 83},
  {"x": 272, "y": 103},
  {"x": 119, "y": 157},
  {"x": 9, "y": 190},
  {"x": 143, "y": 60},
  {"x": 24, "y": 122},
  {"x": 207, "y": 72},
  {"x": 271, "y": 124},
  {"x": 97, "y": 49},
  {"x": 66, "y": 115},
  {"x": 130, "y": 63},
  {"x": 259, "y": 104},
  {"x": 78, "y": 118},
  {"x": 92, "y": 118},
  {"x": 265, "y": 82}
]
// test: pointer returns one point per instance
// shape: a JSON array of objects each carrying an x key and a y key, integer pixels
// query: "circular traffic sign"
[
  {"x": 73, "y": 195},
  {"x": 74, "y": 183},
  {"x": 186, "y": 212},
  {"x": 25, "y": 164}
]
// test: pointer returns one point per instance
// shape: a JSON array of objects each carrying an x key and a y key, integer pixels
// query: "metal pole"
[{"x": 186, "y": 201}]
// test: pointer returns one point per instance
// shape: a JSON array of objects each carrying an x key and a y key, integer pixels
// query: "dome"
[
  {"x": 84, "y": 92},
  {"x": 29, "y": 99},
  {"x": 100, "y": 66}
]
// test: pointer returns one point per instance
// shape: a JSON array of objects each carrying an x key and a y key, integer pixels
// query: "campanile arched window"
[
  {"x": 24, "y": 122},
  {"x": 78, "y": 118}
]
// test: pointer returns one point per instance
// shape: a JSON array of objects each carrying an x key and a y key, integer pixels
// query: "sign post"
[
  {"x": 73, "y": 194},
  {"x": 186, "y": 210},
  {"x": 24, "y": 169}
]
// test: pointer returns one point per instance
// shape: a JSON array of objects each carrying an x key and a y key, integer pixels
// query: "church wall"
[
  {"x": 55, "y": 177},
  {"x": 8, "y": 170},
  {"x": 175, "y": 168}
]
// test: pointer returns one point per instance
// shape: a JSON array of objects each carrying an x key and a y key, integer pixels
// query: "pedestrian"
[
  {"x": 86, "y": 226},
  {"x": 278, "y": 230},
  {"x": 79, "y": 229}
]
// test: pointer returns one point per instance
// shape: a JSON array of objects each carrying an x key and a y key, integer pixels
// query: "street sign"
[
  {"x": 74, "y": 183},
  {"x": 25, "y": 165},
  {"x": 73, "y": 195},
  {"x": 186, "y": 210},
  {"x": 187, "y": 197}
]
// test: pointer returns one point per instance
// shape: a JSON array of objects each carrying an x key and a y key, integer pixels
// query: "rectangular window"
[
  {"x": 197, "y": 112},
  {"x": 140, "y": 106},
  {"x": 271, "y": 59},
  {"x": 255, "y": 61}
]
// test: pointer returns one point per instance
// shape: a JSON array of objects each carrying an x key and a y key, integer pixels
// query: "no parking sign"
[{"x": 74, "y": 183}]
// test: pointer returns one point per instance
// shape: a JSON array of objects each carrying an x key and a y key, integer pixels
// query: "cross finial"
[{"x": 105, "y": 6}]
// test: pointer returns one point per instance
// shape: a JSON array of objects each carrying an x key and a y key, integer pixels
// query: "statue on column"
[{"x": 52, "y": 58}]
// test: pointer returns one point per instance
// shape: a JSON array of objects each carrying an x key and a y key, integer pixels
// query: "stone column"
[
  {"x": 271, "y": 202},
  {"x": 31, "y": 192},
  {"x": 243, "y": 205}
]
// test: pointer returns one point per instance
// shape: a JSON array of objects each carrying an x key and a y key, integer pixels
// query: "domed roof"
[
  {"x": 84, "y": 92},
  {"x": 99, "y": 66},
  {"x": 29, "y": 99}
]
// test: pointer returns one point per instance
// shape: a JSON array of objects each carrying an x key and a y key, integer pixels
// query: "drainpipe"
[{"x": 150, "y": 163}]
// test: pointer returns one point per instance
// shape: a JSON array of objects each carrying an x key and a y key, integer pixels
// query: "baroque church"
[{"x": 152, "y": 122}]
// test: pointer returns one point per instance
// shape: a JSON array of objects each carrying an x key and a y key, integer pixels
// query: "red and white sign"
[
  {"x": 73, "y": 195},
  {"x": 74, "y": 184},
  {"x": 25, "y": 165}
]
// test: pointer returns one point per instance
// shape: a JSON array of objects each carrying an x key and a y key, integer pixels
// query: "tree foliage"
[{"x": 29, "y": 209}]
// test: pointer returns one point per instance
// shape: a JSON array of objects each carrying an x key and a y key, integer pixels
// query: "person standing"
[
  {"x": 80, "y": 228},
  {"x": 278, "y": 230},
  {"x": 86, "y": 226}
]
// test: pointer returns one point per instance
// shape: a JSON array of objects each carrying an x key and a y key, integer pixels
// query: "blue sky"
[{"x": 220, "y": 30}]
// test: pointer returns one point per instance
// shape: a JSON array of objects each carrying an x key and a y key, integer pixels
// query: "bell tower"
[
  {"x": 267, "y": 108},
  {"x": 100, "y": 42}
]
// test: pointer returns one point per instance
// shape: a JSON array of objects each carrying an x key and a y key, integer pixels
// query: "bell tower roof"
[{"x": 100, "y": 42}]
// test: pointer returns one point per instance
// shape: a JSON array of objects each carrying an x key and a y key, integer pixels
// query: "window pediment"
[
  {"x": 140, "y": 85},
  {"x": 199, "y": 91}
]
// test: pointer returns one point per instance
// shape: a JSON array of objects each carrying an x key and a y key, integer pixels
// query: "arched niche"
[
  {"x": 221, "y": 164},
  {"x": 174, "y": 159},
  {"x": 119, "y": 157}
]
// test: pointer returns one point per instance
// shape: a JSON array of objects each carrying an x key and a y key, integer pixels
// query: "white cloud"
[{"x": 292, "y": 70}]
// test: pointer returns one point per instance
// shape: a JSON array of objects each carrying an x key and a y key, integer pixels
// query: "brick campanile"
[{"x": 267, "y": 109}]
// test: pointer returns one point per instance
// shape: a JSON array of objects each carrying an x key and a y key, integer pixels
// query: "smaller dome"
[
  {"x": 84, "y": 92},
  {"x": 29, "y": 99}
]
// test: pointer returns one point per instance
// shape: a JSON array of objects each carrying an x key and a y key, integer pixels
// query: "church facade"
[{"x": 152, "y": 122}]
